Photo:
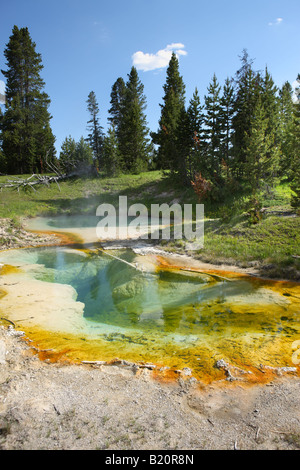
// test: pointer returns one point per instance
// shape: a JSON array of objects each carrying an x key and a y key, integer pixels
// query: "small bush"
[{"x": 202, "y": 187}]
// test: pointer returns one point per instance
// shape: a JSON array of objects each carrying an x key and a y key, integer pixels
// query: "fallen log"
[
  {"x": 32, "y": 181},
  {"x": 37, "y": 179}
]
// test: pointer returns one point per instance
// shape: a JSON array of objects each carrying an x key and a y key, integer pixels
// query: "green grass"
[
  {"x": 272, "y": 245},
  {"x": 74, "y": 196},
  {"x": 84, "y": 195}
]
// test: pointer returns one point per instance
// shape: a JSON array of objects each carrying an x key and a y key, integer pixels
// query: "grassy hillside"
[
  {"x": 272, "y": 244},
  {"x": 84, "y": 195}
]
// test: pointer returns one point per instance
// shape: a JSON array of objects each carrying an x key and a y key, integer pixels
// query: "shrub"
[{"x": 202, "y": 187}]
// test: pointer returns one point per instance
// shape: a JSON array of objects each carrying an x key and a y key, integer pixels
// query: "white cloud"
[
  {"x": 277, "y": 22},
  {"x": 147, "y": 61}
]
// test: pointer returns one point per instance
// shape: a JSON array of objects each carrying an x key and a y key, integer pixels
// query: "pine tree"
[
  {"x": 171, "y": 112},
  {"x": 111, "y": 154},
  {"x": 76, "y": 157},
  {"x": 226, "y": 116},
  {"x": 133, "y": 138},
  {"x": 190, "y": 139},
  {"x": 117, "y": 104},
  {"x": 286, "y": 116},
  {"x": 295, "y": 151},
  {"x": 295, "y": 183},
  {"x": 212, "y": 129},
  {"x": 2, "y": 158},
  {"x": 247, "y": 90},
  {"x": 83, "y": 155},
  {"x": 270, "y": 101},
  {"x": 2, "y": 163},
  {"x": 67, "y": 156},
  {"x": 262, "y": 153},
  {"x": 95, "y": 136},
  {"x": 26, "y": 133},
  {"x": 183, "y": 149},
  {"x": 195, "y": 122}
]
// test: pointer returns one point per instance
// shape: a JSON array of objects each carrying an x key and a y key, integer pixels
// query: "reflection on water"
[{"x": 169, "y": 316}]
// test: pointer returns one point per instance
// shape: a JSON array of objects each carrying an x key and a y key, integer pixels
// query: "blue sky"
[{"x": 87, "y": 45}]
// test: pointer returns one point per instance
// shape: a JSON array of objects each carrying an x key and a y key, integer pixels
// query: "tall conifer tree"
[
  {"x": 295, "y": 151},
  {"x": 116, "y": 110},
  {"x": 95, "y": 136},
  {"x": 2, "y": 158},
  {"x": 270, "y": 101},
  {"x": 247, "y": 90},
  {"x": 227, "y": 113},
  {"x": 26, "y": 132},
  {"x": 171, "y": 113},
  {"x": 286, "y": 114},
  {"x": 133, "y": 132},
  {"x": 190, "y": 139},
  {"x": 67, "y": 156},
  {"x": 262, "y": 153},
  {"x": 212, "y": 128},
  {"x": 111, "y": 154}
]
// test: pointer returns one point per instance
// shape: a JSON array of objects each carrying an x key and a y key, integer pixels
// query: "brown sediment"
[
  {"x": 82, "y": 350},
  {"x": 64, "y": 238},
  {"x": 169, "y": 263},
  {"x": 241, "y": 375},
  {"x": 53, "y": 356},
  {"x": 276, "y": 285}
]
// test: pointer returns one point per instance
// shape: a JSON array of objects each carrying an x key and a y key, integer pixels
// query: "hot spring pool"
[{"x": 87, "y": 305}]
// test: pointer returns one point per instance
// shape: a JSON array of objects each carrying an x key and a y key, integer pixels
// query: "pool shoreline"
[{"x": 169, "y": 263}]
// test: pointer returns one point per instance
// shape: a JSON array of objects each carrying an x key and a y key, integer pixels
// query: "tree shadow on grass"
[{"x": 154, "y": 192}]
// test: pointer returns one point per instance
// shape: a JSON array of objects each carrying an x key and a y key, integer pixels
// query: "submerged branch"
[{"x": 135, "y": 266}]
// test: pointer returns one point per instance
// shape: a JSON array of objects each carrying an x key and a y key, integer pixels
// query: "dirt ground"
[
  {"x": 55, "y": 406},
  {"x": 59, "y": 406},
  {"x": 16, "y": 237}
]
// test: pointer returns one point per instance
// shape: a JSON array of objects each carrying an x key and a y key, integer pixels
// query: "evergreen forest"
[{"x": 242, "y": 135}]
